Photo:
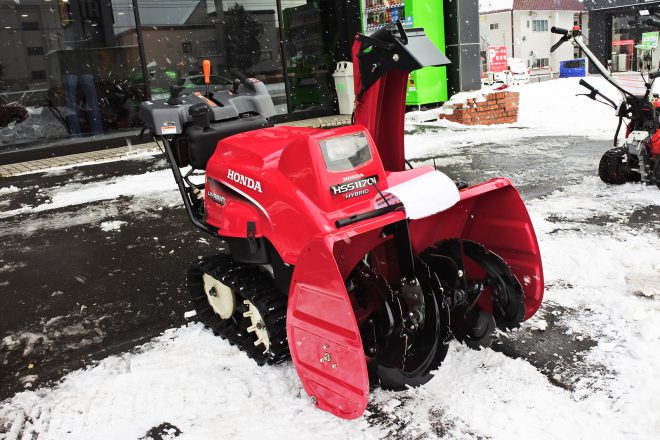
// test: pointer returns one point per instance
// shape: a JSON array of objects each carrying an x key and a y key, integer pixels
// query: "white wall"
[
  {"x": 528, "y": 45},
  {"x": 497, "y": 37}
]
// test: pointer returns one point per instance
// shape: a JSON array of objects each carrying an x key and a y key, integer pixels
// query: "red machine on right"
[{"x": 637, "y": 158}]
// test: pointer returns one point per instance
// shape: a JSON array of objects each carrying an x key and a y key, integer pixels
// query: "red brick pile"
[{"x": 499, "y": 108}]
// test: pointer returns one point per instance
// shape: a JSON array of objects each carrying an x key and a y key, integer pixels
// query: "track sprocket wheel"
[{"x": 240, "y": 303}]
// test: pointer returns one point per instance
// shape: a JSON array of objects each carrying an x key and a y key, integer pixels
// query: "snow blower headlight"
[{"x": 345, "y": 153}]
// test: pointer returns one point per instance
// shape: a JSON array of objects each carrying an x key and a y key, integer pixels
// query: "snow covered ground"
[{"x": 601, "y": 254}]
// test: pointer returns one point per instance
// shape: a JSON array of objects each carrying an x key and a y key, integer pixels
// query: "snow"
[
  {"x": 8, "y": 190},
  {"x": 112, "y": 225},
  {"x": 78, "y": 194},
  {"x": 494, "y": 5},
  {"x": 546, "y": 109},
  {"x": 602, "y": 271}
]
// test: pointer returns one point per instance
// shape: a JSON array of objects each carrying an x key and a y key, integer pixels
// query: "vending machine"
[{"x": 429, "y": 84}]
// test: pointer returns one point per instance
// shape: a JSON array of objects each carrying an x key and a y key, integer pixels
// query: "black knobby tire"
[
  {"x": 657, "y": 170},
  {"x": 612, "y": 170},
  {"x": 248, "y": 283}
]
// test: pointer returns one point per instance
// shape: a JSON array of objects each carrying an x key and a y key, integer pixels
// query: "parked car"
[
  {"x": 11, "y": 113},
  {"x": 573, "y": 68},
  {"x": 516, "y": 74}
]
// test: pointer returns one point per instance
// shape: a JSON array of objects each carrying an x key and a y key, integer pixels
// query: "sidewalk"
[{"x": 110, "y": 154}]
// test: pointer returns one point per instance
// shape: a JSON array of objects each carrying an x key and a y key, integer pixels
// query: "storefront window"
[
  {"x": 67, "y": 69},
  {"x": 239, "y": 38},
  {"x": 623, "y": 43},
  {"x": 73, "y": 68},
  {"x": 313, "y": 35}
]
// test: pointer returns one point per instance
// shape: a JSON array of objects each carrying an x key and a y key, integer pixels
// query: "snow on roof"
[
  {"x": 486, "y": 6},
  {"x": 495, "y": 5}
]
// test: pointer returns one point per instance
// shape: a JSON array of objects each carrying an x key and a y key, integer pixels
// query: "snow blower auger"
[
  {"x": 379, "y": 266},
  {"x": 637, "y": 158}
]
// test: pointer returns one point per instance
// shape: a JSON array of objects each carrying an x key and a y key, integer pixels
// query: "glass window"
[
  {"x": 69, "y": 68},
  {"x": 315, "y": 40},
  {"x": 623, "y": 43},
  {"x": 541, "y": 62},
  {"x": 179, "y": 34},
  {"x": 494, "y": 26},
  {"x": 539, "y": 25}
]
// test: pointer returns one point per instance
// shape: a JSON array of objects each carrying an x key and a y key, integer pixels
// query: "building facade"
[
  {"x": 81, "y": 67},
  {"x": 73, "y": 72},
  {"x": 524, "y": 28},
  {"x": 617, "y": 29}
]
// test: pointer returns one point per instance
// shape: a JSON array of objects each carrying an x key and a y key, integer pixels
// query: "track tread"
[
  {"x": 251, "y": 283},
  {"x": 611, "y": 169}
]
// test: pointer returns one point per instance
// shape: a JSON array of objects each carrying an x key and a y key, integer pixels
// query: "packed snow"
[
  {"x": 601, "y": 256},
  {"x": 114, "y": 225}
]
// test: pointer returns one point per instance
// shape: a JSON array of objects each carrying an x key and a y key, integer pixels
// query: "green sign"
[{"x": 650, "y": 39}]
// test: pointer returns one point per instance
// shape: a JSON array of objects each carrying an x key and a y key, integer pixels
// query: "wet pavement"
[{"x": 81, "y": 282}]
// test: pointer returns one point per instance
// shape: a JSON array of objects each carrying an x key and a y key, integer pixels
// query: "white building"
[{"x": 523, "y": 26}]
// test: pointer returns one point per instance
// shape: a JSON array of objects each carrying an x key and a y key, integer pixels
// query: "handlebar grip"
[
  {"x": 653, "y": 22},
  {"x": 583, "y": 83},
  {"x": 560, "y": 31}
]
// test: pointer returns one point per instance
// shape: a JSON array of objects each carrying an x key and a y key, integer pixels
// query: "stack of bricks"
[{"x": 498, "y": 108}]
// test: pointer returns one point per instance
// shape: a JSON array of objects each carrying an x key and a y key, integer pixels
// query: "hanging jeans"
[{"x": 89, "y": 91}]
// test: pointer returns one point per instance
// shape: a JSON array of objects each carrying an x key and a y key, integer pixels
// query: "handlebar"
[
  {"x": 653, "y": 22},
  {"x": 560, "y": 31},
  {"x": 595, "y": 93},
  {"x": 583, "y": 83}
]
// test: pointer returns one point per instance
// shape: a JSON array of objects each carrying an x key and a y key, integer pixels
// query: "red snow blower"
[
  {"x": 637, "y": 158},
  {"x": 358, "y": 268}
]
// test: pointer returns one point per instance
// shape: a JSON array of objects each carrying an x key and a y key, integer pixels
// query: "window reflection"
[
  {"x": 239, "y": 38},
  {"x": 73, "y": 66}
]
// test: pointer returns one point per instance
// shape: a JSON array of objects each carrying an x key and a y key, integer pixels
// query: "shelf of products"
[{"x": 380, "y": 13}]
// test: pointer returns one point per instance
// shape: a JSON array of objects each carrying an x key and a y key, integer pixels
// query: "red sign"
[
  {"x": 497, "y": 59},
  {"x": 623, "y": 43}
]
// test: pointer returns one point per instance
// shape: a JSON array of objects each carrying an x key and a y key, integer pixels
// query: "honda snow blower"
[{"x": 358, "y": 268}]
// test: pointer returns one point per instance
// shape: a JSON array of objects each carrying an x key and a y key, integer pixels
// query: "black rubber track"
[
  {"x": 251, "y": 283},
  {"x": 611, "y": 168}
]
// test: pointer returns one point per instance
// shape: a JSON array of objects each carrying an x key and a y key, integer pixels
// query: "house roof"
[
  {"x": 549, "y": 5},
  {"x": 489, "y": 6}
]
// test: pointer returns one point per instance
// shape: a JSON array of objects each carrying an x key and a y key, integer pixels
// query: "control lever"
[
  {"x": 235, "y": 85},
  {"x": 175, "y": 95},
  {"x": 561, "y": 41},
  {"x": 594, "y": 93},
  {"x": 206, "y": 67}
]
